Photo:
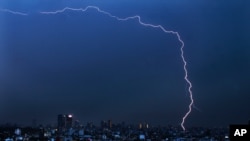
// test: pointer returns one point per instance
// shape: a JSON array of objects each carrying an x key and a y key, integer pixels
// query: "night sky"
[{"x": 96, "y": 67}]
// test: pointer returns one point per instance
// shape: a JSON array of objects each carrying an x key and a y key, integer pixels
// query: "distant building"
[
  {"x": 143, "y": 125},
  {"x": 140, "y": 126},
  {"x": 18, "y": 132},
  {"x": 64, "y": 122},
  {"x": 90, "y": 125},
  {"x": 104, "y": 124},
  {"x": 109, "y": 124},
  {"x": 69, "y": 121},
  {"x": 77, "y": 124},
  {"x": 61, "y": 122}
]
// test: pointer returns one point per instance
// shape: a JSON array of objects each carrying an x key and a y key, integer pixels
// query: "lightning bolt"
[
  {"x": 14, "y": 12},
  {"x": 138, "y": 18}
]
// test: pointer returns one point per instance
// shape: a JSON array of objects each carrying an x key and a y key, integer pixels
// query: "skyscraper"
[
  {"x": 69, "y": 121},
  {"x": 61, "y": 122},
  {"x": 109, "y": 124},
  {"x": 64, "y": 122}
]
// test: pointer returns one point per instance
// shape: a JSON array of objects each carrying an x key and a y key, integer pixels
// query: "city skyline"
[{"x": 97, "y": 66}]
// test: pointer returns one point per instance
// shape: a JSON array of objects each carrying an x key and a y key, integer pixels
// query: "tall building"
[
  {"x": 61, "y": 122},
  {"x": 64, "y": 122},
  {"x": 109, "y": 124},
  {"x": 69, "y": 121},
  {"x": 103, "y": 124}
]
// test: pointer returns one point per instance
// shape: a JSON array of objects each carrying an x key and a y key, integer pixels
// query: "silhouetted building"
[
  {"x": 140, "y": 126},
  {"x": 104, "y": 124},
  {"x": 41, "y": 133},
  {"x": 77, "y": 124},
  {"x": 69, "y": 121},
  {"x": 143, "y": 125},
  {"x": 90, "y": 125},
  {"x": 61, "y": 121},
  {"x": 109, "y": 124},
  {"x": 64, "y": 122}
]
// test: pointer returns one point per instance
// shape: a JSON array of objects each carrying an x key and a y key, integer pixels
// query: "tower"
[
  {"x": 64, "y": 122},
  {"x": 109, "y": 124},
  {"x": 61, "y": 122},
  {"x": 69, "y": 121}
]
